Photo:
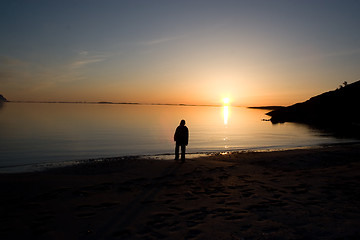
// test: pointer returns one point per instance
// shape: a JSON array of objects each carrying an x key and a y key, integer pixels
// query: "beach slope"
[{"x": 294, "y": 194}]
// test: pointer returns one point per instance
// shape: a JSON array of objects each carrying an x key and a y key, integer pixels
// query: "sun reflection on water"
[
  {"x": 225, "y": 109},
  {"x": 226, "y": 114},
  {"x": 226, "y": 102}
]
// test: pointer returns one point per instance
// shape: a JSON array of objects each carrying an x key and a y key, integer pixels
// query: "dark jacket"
[{"x": 181, "y": 135}]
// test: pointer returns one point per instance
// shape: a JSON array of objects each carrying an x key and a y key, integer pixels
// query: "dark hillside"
[
  {"x": 338, "y": 108},
  {"x": 2, "y": 98}
]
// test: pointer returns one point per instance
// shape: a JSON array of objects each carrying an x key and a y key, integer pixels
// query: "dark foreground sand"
[{"x": 297, "y": 194}]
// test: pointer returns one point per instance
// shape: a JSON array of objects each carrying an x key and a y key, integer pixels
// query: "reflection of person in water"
[{"x": 181, "y": 137}]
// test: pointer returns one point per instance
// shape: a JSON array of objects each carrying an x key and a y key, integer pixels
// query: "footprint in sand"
[
  {"x": 299, "y": 189},
  {"x": 107, "y": 205},
  {"x": 247, "y": 193},
  {"x": 169, "y": 201},
  {"x": 86, "y": 215},
  {"x": 219, "y": 195},
  {"x": 192, "y": 223},
  {"x": 232, "y": 203},
  {"x": 193, "y": 233},
  {"x": 234, "y": 217},
  {"x": 243, "y": 176},
  {"x": 160, "y": 220},
  {"x": 175, "y": 208},
  {"x": 199, "y": 216},
  {"x": 122, "y": 234},
  {"x": 221, "y": 212},
  {"x": 259, "y": 207},
  {"x": 225, "y": 176},
  {"x": 190, "y": 196},
  {"x": 99, "y": 206},
  {"x": 80, "y": 193},
  {"x": 99, "y": 187}
]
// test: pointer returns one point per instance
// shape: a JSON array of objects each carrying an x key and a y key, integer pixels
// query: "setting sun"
[{"x": 226, "y": 100}]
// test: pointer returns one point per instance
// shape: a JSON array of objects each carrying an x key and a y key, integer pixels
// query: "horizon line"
[
  {"x": 119, "y": 103},
  {"x": 140, "y": 103}
]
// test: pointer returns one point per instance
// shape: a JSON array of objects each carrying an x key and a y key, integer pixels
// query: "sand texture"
[{"x": 295, "y": 194}]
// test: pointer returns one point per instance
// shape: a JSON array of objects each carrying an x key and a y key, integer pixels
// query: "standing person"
[{"x": 181, "y": 137}]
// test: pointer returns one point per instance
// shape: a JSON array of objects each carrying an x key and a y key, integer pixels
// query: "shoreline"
[
  {"x": 45, "y": 166},
  {"x": 293, "y": 194}
]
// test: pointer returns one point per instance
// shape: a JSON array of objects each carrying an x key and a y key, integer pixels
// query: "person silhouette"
[{"x": 181, "y": 137}]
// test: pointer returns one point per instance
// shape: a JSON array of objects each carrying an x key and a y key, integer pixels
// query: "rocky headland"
[
  {"x": 3, "y": 99},
  {"x": 336, "y": 110}
]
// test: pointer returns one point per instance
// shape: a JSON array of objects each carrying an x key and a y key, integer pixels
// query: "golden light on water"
[
  {"x": 226, "y": 102},
  {"x": 226, "y": 114}
]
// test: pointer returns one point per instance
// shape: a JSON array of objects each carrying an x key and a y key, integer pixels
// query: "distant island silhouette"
[
  {"x": 3, "y": 99},
  {"x": 336, "y": 110}
]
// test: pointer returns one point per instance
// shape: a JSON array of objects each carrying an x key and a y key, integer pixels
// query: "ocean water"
[{"x": 39, "y": 134}]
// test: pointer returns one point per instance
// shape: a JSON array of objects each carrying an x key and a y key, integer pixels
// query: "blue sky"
[{"x": 255, "y": 52}]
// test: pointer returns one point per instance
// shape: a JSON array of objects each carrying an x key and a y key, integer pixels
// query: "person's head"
[{"x": 182, "y": 122}]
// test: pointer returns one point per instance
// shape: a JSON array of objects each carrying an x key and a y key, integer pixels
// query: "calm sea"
[{"x": 33, "y": 135}]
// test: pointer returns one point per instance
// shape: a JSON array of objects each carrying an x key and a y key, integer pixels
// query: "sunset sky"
[{"x": 192, "y": 52}]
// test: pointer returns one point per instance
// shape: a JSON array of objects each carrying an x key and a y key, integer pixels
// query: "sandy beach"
[{"x": 293, "y": 194}]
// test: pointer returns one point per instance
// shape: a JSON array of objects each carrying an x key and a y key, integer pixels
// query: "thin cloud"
[
  {"x": 83, "y": 53},
  {"x": 85, "y": 58},
  {"x": 82, "y": 63},
  {"x": 20, "y": 75},
  {"x": 160, "y": 40},
  {"x": 10, "y": 67},
  {"x": 6, "y": 61}
]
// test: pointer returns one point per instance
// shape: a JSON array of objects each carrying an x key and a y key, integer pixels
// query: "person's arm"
[{"x": 175, "y": 134}]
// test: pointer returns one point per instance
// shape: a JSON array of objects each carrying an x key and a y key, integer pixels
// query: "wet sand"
[{"x": 294, "y": 194}]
